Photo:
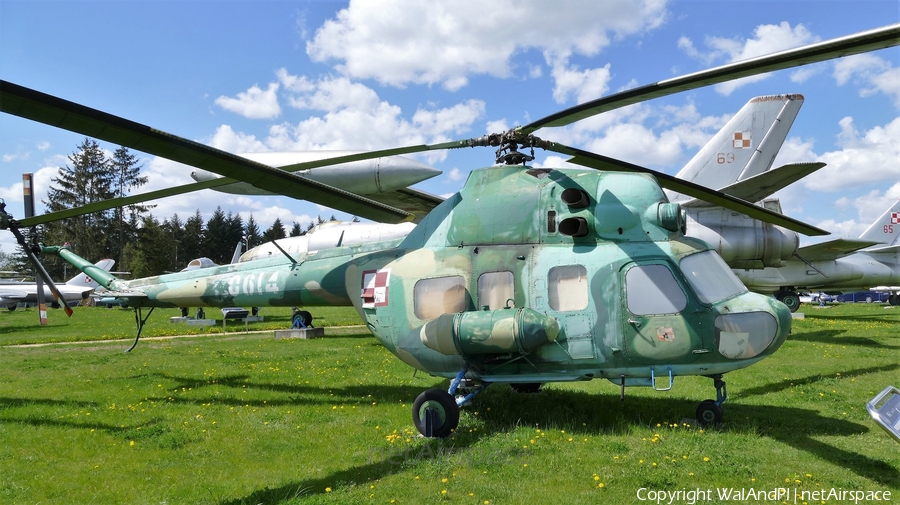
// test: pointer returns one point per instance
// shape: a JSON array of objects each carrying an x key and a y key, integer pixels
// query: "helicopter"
[{"x": 525, "y": 276}]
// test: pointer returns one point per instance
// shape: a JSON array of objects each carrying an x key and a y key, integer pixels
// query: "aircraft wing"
[
  {"x": 833, "y": 249},
  {"x": 760, "y": 186},
  {"x": 891, "y": 249},
  {"x": 12, "y": 296}
]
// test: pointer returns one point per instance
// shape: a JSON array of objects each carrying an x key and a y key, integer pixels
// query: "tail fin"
[
  {"x": 885, "y": 229},
  {"x": 84, "y": 280},
  {"x": 746, "y": 146}
]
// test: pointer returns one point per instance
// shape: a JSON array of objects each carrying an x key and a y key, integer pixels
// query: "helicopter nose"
[{"x": 758, "y": 331}]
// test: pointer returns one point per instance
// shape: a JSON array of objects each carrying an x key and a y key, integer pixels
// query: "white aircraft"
[
  {"x": 73, "y": 291},
  {"x": 839, "y": 265}
]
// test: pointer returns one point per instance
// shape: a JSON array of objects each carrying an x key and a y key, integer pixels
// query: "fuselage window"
[
  {"x": 494, "y": 289},
  {"x": 652, "y": 289},
  {"x": 442, "y": 295},
  {"x": 568, "y": 287}
]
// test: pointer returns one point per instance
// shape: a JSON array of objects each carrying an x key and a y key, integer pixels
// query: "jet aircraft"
[
  {"x": 73, "y": 291},
  {"x": 526, "y": 275},
  {"x": 838, "y": 265}
]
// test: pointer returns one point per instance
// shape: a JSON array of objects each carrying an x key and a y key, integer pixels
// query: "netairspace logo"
[{"x": 754, "y": 495}]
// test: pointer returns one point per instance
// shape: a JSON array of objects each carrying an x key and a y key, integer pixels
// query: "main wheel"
[
  {"x": 894, "y": 300},
  {"x": 789, "y": 298},
  {"x": 709, "y": 414},
  {"x": 442, "y": 410},
  {"x": 302, "y": 316}
]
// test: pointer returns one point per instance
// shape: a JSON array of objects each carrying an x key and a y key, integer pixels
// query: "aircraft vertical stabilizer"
[
  {"x": 885, "y": 229},
  {"x": 746, "y": 145}
]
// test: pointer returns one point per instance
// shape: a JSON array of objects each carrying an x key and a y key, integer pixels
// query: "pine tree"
[
  {"x": 174, "y": 229},
  {"x": 275, "y": 232},
  {"x": 193, "y": 239},
  {"x": 217, "y": 246},
  {"x": 88, "y": 180},
  {"x": 296, "y": 230},
  {"x": 251, "y": 231},
  {"x": 125, "y": 175}
]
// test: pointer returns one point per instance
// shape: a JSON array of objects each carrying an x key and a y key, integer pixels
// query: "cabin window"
[
  {"x": 652, "y": 289},
  {"x": 568, "y": 287},
  {"x": 710, "y": 277},
  {"x": 495, "y": 288},
  {"x": 442, "y": 295}
]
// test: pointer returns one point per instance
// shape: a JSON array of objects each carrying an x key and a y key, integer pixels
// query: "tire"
[
  {"x": 709, "y": 414},
  {"x": 791, "y": 299},
  {"x": 869, "y": 299},
  {"x": 894, "y": 300},
  {"x": 444, "y": 408}
]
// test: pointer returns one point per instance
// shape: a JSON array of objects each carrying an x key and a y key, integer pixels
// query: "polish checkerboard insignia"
[
  {"x": 895, "y": 217},
  {"x": 742, "y": 140},
  {"x": 375, "y": 288}
]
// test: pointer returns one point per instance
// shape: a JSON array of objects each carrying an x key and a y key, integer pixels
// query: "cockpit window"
[
  {"x": 710, "y": 277},
  {"x": 652, "y": 289}
]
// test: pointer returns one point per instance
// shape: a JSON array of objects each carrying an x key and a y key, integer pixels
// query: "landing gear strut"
[
  {"x": 710, "y": 412},
  {"x": 436, "y": 413}
]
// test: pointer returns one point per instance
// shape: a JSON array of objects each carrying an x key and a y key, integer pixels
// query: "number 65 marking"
[{"x": 889, "y": 228}]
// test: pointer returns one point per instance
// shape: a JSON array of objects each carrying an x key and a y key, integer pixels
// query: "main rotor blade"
[
  {"x": 54, "y": 111},
  {"x": 589, "y": 159},
  {"x": 123, "y": 201},
  {"x": 871, "y": 40}
]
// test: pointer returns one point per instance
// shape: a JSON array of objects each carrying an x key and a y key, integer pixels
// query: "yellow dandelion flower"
[
  {"x": 131, "y": 443},
  {"x": 705, "y": 458},
  {"x": 443, "y": 491},
  {"x": 444, "y": 480},
  {"x": 596, "y": 477},
  {"x": 601, "y": 485},
  {"x": 327, "y": 489}
]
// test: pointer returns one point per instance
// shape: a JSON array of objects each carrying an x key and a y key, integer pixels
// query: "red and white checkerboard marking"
[
  {"x": 742, "y": 140},
  {"x": 375, "y": 288},
  {"x": 895, "y": 217}
]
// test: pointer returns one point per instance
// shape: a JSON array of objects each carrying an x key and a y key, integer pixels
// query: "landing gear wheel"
[
  {"x": 435, "y": 413},
  {"x": 709, "y": 414},
  {"x": 526, "y": 387},
  {"x": 303, "y": 317},
  {"x": 789, "y": 298},
  {"x": 894, "y": 300},
  {"x": 184, "y": 312}
]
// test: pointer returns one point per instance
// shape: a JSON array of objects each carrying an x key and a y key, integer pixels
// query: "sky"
[{"x": 252, "y": 76}]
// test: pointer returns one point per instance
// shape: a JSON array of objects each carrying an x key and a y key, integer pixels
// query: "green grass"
[
  {"x": 243, "y": 418},
  {"x": 96, "y": 323}
]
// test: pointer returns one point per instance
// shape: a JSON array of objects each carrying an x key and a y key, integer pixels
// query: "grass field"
[{"x": 244, "y": 419}]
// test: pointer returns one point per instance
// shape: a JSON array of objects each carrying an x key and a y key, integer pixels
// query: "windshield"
[{"x": 710, "y": 277}]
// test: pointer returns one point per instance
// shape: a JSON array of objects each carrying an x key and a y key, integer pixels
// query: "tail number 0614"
[{"x": 249, "y": 284}]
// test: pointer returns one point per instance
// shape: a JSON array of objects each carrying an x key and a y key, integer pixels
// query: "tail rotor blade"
[{"x": 7, "y": 222}]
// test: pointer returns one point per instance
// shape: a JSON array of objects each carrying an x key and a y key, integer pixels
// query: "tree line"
[{"x": 131, "y": 235}]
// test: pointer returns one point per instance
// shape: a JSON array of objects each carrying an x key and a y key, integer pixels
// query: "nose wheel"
[{"x": 710, "y": 412}]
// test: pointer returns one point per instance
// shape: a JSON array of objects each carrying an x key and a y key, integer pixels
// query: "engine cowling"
[
  {"x": 742, "y": 242},
  {"x": 519, "y": 330}
]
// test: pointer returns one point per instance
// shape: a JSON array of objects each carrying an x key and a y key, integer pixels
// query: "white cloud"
[
  {"x": 357, "y": 118},
  {"x": 407, "y": 41},
  {"x": 253, "y": 103},
  {"x": 865, "y": 158},
  {"x": 585, "y": 85},
  {"x": 872, "y": 73}
]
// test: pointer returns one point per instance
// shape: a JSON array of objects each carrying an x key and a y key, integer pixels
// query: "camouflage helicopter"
[{"x": 525, "y": 276}]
